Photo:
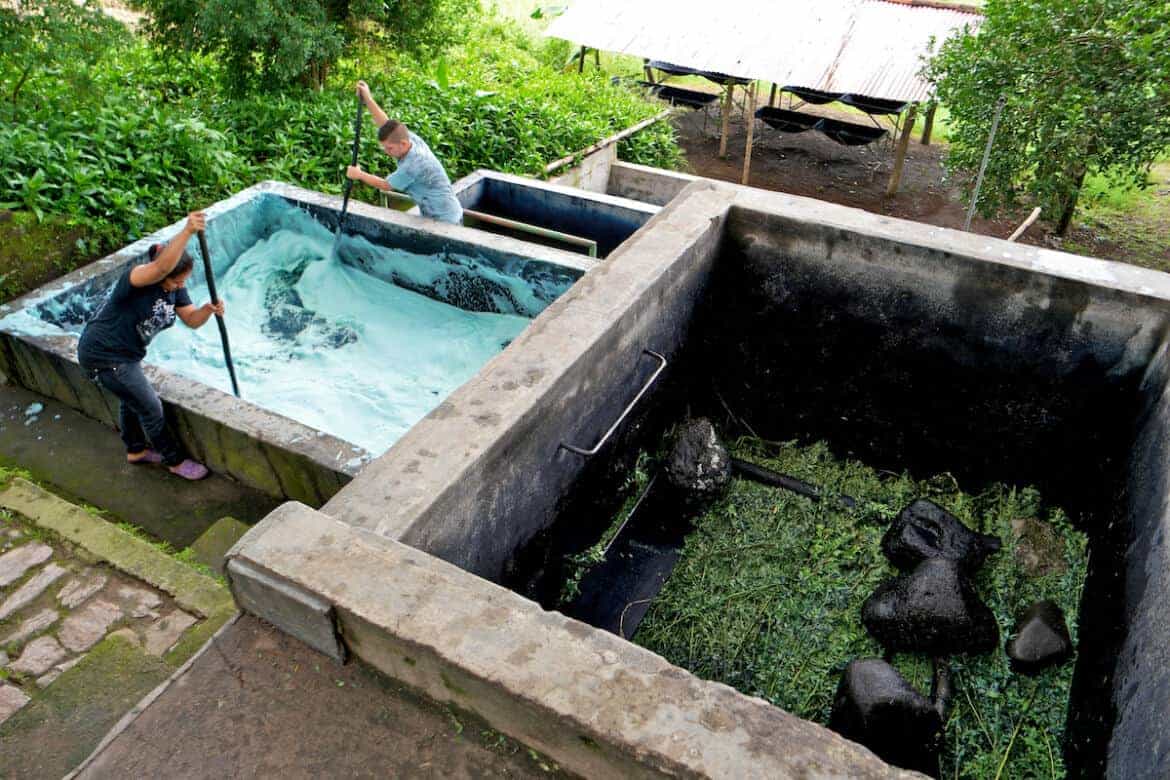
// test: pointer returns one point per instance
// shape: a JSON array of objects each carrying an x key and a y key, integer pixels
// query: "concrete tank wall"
[
  {"x": 603, "y": 218},
  {"x": 592, "y": 173},
  {"x": 484, "y": 471},
  {"x": 1141, "y": 679},
  {"x": 910, "y": 352},
  {"x": 649, "y": 185}
]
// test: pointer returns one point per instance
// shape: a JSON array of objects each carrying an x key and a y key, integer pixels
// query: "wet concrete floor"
[{"x": 83, "y": 461}]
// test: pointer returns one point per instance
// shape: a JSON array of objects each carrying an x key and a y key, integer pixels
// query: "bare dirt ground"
[{"x": 812, "y": 165}]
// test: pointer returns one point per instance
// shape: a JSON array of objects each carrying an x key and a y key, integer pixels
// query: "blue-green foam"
[{"x": 326, "y": 343}]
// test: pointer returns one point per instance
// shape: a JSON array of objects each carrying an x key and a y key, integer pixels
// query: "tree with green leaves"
[
  {"x": 51, "y": 40},
  {"x": 280, "y": 42},
  {"x": 1086, "y": 85},
  {"x": 270, "y": 41}
]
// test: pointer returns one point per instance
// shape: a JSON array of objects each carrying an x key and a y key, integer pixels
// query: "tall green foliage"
[
  {"x": 1087, "y": 89},
  {"x": 424, "y": 29},
  {"x": 155, "y": 135},
  {"x": 275, "y": 43},
  {"x": 50, "y": 45}
]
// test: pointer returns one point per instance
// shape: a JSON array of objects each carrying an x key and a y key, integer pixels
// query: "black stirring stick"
[
  {"x": 357, "y": 137},
  {"x": 223, "y": 336}
]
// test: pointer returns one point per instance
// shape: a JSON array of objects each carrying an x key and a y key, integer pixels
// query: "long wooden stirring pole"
[{"x": 223, "y": 336}]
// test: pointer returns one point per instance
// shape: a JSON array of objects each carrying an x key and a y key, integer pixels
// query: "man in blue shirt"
[{"x": 420, "y": 174}]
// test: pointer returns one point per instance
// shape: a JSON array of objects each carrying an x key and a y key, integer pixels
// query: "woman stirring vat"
[{"x": 145, "y": 301}]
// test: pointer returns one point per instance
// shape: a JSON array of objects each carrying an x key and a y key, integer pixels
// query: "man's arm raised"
[{"x": 375, "y": 110}]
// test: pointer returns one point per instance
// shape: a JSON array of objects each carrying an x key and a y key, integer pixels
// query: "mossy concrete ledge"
[
  {"x": 191, "y": 590},
  {"x": 599, "y": 706}
]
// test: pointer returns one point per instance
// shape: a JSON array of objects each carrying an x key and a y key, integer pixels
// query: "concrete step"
[
  {"x": 211, "y": 547},
  {"x": 107, "y": 542}
]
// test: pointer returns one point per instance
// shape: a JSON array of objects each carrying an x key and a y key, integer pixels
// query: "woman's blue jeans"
[{"x": 140, "y": 414}]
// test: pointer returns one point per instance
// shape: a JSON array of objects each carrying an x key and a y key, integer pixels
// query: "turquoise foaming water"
[{"x": 361, "y": 343}]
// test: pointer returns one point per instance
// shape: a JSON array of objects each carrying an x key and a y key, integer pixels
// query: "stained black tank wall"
[{"x": 910, "y": 358}]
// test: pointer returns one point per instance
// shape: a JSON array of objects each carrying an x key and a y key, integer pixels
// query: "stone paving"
[{"x": 55, "y": 606}]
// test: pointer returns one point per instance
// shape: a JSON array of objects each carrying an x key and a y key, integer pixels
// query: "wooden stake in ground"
[
  {"x": 751, "y": 128},
  {"x": 900, "y": 155},
  {"x": 928, "y": 124},
  {"x": 772, "y": 97},
  {"x": 1027, "y": 223},
  {"x": 726, "y": 121}
]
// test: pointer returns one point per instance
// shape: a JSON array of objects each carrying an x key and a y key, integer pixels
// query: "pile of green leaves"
[{"x": 768, "y": 595}]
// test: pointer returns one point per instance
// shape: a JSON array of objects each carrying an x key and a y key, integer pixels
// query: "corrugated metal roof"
[{"x": 866, "y": 47}]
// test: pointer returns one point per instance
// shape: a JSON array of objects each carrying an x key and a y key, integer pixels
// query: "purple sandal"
[
  {"x": 146, "y": 456},
  {"x": 189, "y": 469}
]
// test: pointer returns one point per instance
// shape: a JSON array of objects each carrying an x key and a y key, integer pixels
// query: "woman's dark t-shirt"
[{"x": 127, "y": 321}]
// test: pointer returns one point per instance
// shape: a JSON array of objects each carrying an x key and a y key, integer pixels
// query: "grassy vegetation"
[
  {"x": 7, "y": 474},
  {"x": 580, "y": 564},
  {"x": 151, "y": 135},
  {"x": 185, "y": 556},
  {"x": 768, "y": 595},
  {"x": 1136, "y": 220}
]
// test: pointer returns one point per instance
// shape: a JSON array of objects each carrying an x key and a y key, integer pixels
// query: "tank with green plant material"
[{"x": 767, "y": 597}]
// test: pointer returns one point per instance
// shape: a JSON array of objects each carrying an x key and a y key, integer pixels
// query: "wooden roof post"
[
  {"x": 900, "y": 155},
  {"x": 751, "y": 127},
  {"x": 928, "y": 124},
  {"x": 726, "y": 111}
]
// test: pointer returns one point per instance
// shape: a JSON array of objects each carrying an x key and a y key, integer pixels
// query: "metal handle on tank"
[{"x": 588, "y": 453}]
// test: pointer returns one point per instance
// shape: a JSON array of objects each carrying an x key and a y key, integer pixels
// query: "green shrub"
[
  {"x": 1086, "y": 89},
  {"x": 155, "y": 135},
  {"x": 425, "y": 29},
  {"x": 278, "y": 43},
  {"x": 274, "y": 42},
  {"x": 50, "y": 46},
  {"x": 109, "y": 167}
]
